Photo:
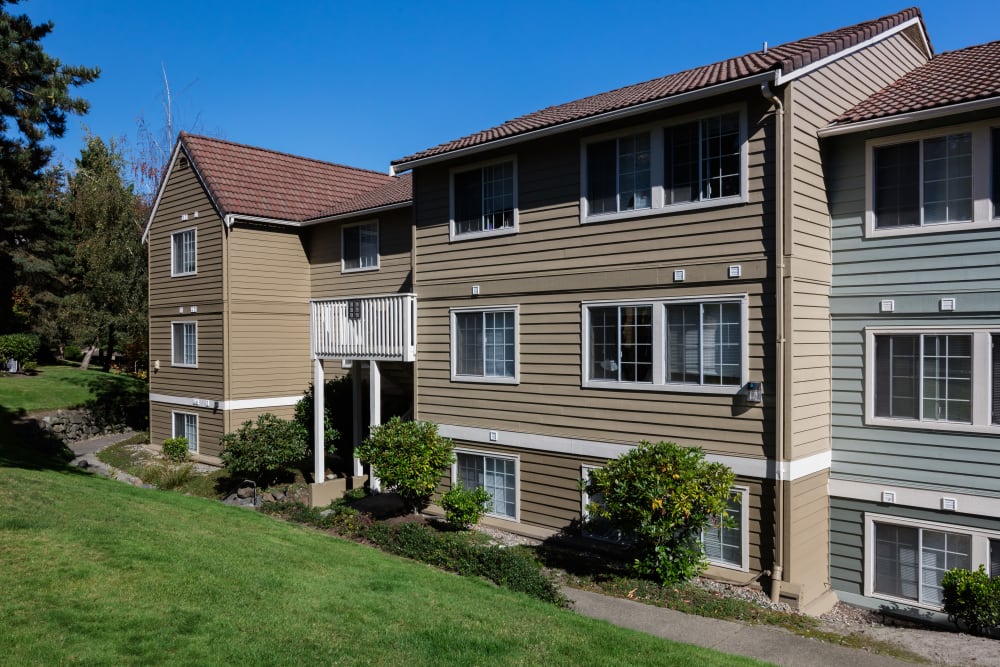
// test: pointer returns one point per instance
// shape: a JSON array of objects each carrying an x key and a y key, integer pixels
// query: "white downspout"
[
  {"x": 319, "y": 403},
  {"x": 779, "y": 292},
  {"x": 374, "y": 408}
]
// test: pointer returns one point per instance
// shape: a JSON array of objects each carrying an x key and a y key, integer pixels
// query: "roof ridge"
[{"x": 185, "y": 135}]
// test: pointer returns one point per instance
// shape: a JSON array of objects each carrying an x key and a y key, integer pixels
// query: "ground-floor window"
[
  {"x": 907, "y": 559},
  {"x": 593, "y": 526},
  {"x": 725, "y": 542},
  {"x": 186, "y": 426},
  {"x": 496, "y": 474}
]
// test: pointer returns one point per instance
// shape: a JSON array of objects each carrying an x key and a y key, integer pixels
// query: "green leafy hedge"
[
  {"x": 21, "y": 347},
  {"x": 972, "y": 597},
  {"x": 265, "y": 448}
]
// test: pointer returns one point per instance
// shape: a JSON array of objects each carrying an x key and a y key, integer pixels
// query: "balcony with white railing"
[{"x": 382, "y": 328}]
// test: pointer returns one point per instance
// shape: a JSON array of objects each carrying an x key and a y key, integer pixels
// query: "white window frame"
[
  {"x": 660, "y": 382},
  {"x": 173, "y": 255},
  {"x": 453, "y": 234},
  {"x": 453, "y": 346},
  {"x": 197, "y": 429},
  {"x": 981, "y": 381},
  {"x": 494, "y": 455},
  {"x": 983, "y": 215},
  {"x": 656, "y": 167},
  {"x": 173, "y": 349},
  {"x": 744, "y": 493},
  {"x": 980, "y": 550},
  {"x": 378, "y": 248}
]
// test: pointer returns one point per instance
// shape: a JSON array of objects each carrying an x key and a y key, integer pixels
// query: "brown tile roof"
[
  {"x": 398, "y": 191},
  {"x": 785, "y": 58},
  {"x": 953, "y": 77},
  {"x": 267, "y": 184}
]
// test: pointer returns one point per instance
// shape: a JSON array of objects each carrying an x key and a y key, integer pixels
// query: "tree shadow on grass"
[
  {"x": 119, "y": 400},
  {"x": 24, "y": 444}
]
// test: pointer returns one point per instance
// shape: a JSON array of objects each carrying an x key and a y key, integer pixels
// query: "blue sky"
[{"x": 362, "y": 83}]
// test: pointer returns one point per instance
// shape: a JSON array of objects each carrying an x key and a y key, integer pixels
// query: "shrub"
[
  {"x": 304, "y": 416},
  {"x": 176, "y": 449},
  {"x": 29, "y": 368},
  {"x": 663, "y": 495},
  {"x": 72, "y": 353},
  {"x": 972, "y": 597},
  {"x": 167, "y": 477},
  {"x": 21, "y": 347},
  {"x": 409, "y": 457},
  {"x": 265, "y": 448},
  {"x": 462, "y": 507}
]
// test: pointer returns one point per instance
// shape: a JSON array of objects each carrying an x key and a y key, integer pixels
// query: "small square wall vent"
[
  {"x": 947, "y": 304},
  {"x": 949, "y": 504},
  {"x": 887, "y": 305},
  {"x": 735, "y": 271},
  {"x": 679, "y": 275},
  {"x": 889, "y": 497}
]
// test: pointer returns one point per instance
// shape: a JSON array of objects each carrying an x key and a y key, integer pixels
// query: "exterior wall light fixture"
[{"x": 755, "y": 391}]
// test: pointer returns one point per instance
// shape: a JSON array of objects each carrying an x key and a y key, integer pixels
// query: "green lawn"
[
  {"x": 61, "y": 387},
  {"x": 98, "y": 572}
]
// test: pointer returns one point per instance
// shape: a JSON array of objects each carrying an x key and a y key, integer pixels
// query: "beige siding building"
[{"x": 651, "y": 263}]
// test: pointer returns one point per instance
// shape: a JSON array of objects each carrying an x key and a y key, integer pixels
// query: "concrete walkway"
[
  {"x": 772, "y": 645},
  {"x": 86, "y": 456}
]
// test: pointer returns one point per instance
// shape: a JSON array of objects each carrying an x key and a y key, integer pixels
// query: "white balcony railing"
[{"x": 383, "y": 328}]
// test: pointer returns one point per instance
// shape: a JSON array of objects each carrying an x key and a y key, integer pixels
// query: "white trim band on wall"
[
  {"x": 742, "y": 466},
  {"x": 214, "y": 404},
  {"x": 909, "y": 497}
]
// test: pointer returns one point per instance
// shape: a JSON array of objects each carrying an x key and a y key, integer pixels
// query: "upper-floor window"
[
  {"x": 696, "y": 162},
  {"x": 359, "y": 246},
  {"x": 618, "y": 174},
  {"x": 944, "y": 378},
  {"x": 184, "y": 343},
  {"x": 484, "y": 200},
  {"x": 183, "y": 252},
  {"x": 932, "y": 181},
  {"x": 676, "y": 344},
  {"x": 484, "y": 344}
]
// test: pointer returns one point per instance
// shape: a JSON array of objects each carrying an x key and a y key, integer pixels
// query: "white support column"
[
  {"x": 374, "y": 406},
  {"x": 359, "y": 434},
  {"x": 319, "y": 402}
]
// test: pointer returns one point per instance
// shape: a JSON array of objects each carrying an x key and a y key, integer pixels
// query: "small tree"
[
  {"x": 20, "y": 347},
  {"x": 663, "y": 495},
  {"x": 409, "y": 457},
  {"x": 264, "y": 449}
]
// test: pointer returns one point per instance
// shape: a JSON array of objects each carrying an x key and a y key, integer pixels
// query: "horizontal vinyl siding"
[
  {"x": 393, "y": 274},
  {"x": 916, "y": 272},
  {"x": 184, "y": 195},
  {"x": 549, "y": 399},
  {"x": 210, "y": 426},
  {"x": 269, "y": 348},
  {"x": 552, "y": 264},
  {"x": 817, "y": 99},
  {"x": 205, "y": 381},
  {"x": 808, "y": 538},
  {"x": 847, "y": 530}
]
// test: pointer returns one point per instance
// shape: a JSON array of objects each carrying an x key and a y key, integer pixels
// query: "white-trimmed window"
[
  {"x": 184, "y": 252},
  {"x": 186, "y": 426},
  {"x": 942, "y": 378},
  {"x": 696, "y": 344},
  {"x": 726, "y": 543},
  {"x": 484, "y": 200},
  {"x": 932, "y": 181},
  {"x": 693, "y": 162},
  {"x": 184, "y": 344},
  {"x": 597, "y": 528},
  {"x": 496, "y": 473},
  {"x": 359, "y": 246},
  {"x": 484, "y": 344},
  {"x": 906, "y": 558}
]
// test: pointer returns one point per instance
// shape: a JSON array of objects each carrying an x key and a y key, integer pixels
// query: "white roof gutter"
[
  {"x": 912, "y": 117},
  {"x": 654, "y": 105},
  {"x": 231, "y": 218}
]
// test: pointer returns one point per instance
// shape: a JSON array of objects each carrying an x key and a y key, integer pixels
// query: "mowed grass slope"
[
  {"x": 62, "y": 387},
  {"x": 98, "y": 572}
]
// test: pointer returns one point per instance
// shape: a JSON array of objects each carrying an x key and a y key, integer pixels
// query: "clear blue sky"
[{"x": 362, "y": 83}]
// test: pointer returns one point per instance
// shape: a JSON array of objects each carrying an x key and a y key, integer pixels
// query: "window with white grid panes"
[
  {"x": 618, "y": 174},
  {"x": 484, "y": 344},
  {"x": 924, "y": 376},
  {"x": 186, "y": 426},
  {"x": 484, "y": 199},
  {"x": 183, "y": 253},
  {"x": 497, "y": 475},
  {"x": 725, "y": 541},
  {"x": 184, "y": 344},
  {"x": 910, "y": 561},
  {"x": 359, "y": 244}
]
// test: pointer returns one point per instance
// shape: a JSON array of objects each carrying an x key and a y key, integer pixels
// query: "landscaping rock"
[
  {"x": 278, "y": 496},
  {"x": 244, "y": 492},
  {"x": 267, "y": 498}
]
